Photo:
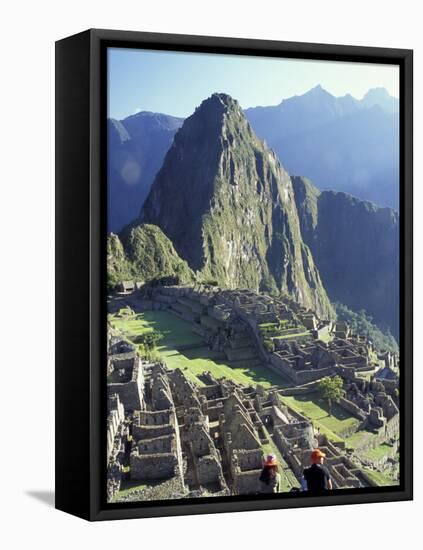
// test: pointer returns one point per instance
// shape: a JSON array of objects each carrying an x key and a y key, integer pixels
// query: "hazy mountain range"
[
  {"x": 222, "y": 207},
  {"x": 340, "y": 143},
  {"x": 137, "y": 146},
  {"x": 343, "y": 144}
]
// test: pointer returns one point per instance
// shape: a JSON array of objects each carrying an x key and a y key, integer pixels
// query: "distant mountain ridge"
[
  {"x": 340, "y": 143},
  {"x": 381, "y": 98},
  {"x": 136, "y": 148},
  {"x": 315, "y": 107}
]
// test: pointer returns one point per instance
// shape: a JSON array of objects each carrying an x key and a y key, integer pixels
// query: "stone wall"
[
  {"x": 247, "y": 483},
  {"x": 199, "y": 439},
  {"x": 281, "y": 365},
  {"x": 150, "y": 432},
  {"x": 161, "y": 395},
  {"x": 209, "y": 470},
  {"x": 352, "y": 408},
  {"x": 182, "y": 431},
  {"x": 131, "y": 389},
  {"x": 153, "y": 466},
  {"x": 249, "y": 459},
  {"x": 129, "y": 393},
  {"x": 115, "y": 418}
]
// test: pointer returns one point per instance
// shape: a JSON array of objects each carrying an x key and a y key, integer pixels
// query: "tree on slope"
[{"x": 331, "y": 388}]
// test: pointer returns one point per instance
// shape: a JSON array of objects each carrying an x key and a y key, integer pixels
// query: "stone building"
[
  {"x": 376, "y": 408},
  {"x": 127, "y": 287},
  {"x": 167, "y": 432},
  {"x": 255, "y": 329},
  {"x": 116, "y": 416},
  {"x": 126, "y": 379}
]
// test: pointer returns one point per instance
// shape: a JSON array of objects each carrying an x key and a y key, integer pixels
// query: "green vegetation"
[
  {"x": 174, "y": 331},
  {"x": 264, "y": 326},
  {"x": 326, "y": 337},
  {"x": 314, "y": 407},
  {"x": 144, "y": 254},
  {"x": 361, "y": 323},
  {"x": 269, "y": 345},
  {"x": 381, "y": 479},
  {"x": 363, "y": 261},
  {"x": 210, "y": 281},
  {"x": 118, "y": 266},
  {"x": 126, "y": 312},
  {"x": 275, "y": 331},
  {"x": 194, "y": 362},
  {"x": 288, "y": 336},
  {"x": 180, "y": 347},
  {"x": 130, "y": 486},
  {"x": 359, "y": 439},
  {"x": 331, "y": 389},
  {"x": 148, "y": 340},
  {"x": 306, "y": 198},
  {"x": 379, "y": 452}
]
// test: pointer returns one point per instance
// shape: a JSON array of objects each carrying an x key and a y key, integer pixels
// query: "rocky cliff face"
[
  {"x": 228, "y": 207},
  {"x": 355, "y": 245}
]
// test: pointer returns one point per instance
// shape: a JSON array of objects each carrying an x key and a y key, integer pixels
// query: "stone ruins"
[{"x": 177, "y": 439}]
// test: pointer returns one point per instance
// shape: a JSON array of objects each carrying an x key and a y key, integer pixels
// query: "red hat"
[
  {"x": 271, "y": 460},
  {"x": 316, "y": 455}
]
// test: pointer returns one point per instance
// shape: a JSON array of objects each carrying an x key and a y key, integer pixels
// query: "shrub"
[
  {"x": 269, "y": 345},
  {"x": 149, "y": 340}
]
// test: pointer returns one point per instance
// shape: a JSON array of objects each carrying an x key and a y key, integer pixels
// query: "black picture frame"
[{"x": 81, "y": 270}]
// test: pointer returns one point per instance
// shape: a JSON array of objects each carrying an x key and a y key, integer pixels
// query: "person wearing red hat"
[
  {"x": 317, "y": 477},
  {"x": 270, "y": 478}
]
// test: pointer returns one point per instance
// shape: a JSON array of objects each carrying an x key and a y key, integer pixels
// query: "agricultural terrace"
[
  {"x": 181, "y": 347},
  {"x": 337, "y": 426}
]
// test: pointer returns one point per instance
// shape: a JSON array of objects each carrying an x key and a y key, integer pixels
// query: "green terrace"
[
  {"x": 282, "y": 330},
  {"x": 359, "y": 439},
  {"x": 378, "y": 453},
  {"x": 181, "y": 347},
  {"x": 336, "y": 426},
  {"x": 381, "y": 479}
]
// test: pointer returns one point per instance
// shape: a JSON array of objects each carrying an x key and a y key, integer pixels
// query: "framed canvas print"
[{"x": 234, "y": 274}]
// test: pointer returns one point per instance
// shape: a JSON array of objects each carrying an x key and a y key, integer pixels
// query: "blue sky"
[{"x": 175, "y": 82}]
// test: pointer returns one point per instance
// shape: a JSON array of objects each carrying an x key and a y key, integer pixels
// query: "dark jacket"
[{"x": 317, "y": 477}]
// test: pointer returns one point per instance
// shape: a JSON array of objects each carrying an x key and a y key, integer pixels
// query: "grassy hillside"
[{"x": 143, "y": 253}]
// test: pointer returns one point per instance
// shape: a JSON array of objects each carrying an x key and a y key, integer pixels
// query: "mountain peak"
[
  {"x": 148, "y": 115},
  {"x": 378, "y": 92},
  {"x": 226, "y": 203},
  {"x": 217, "y": 103},
  {"x": 225, "y": 99},
  {"x": 381, "y": 97},
  {"x": 317, "y": 91},
  {"x": 216, "y": 118}
]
